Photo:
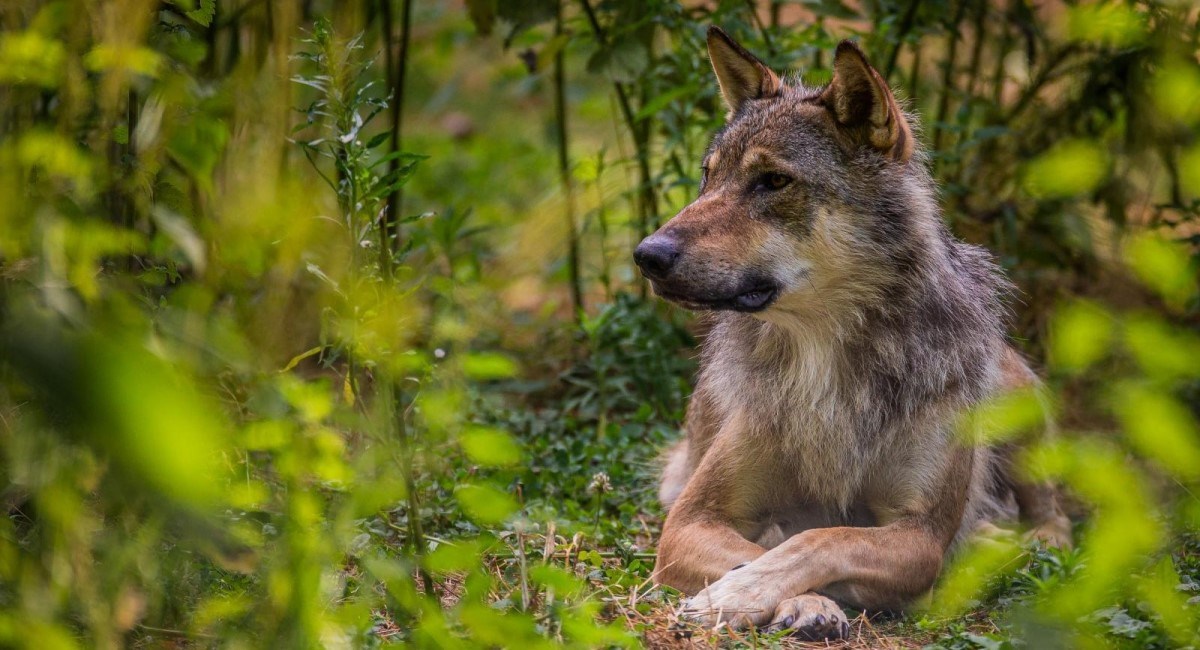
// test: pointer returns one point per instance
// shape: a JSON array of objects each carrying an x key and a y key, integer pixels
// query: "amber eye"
[{"x": 775, "y": 181}]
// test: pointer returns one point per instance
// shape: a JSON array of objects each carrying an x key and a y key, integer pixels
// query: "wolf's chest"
[{"x": 802, "y": 424}]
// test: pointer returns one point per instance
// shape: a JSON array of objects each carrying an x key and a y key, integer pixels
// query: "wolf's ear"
[
  {"x": 741, "y": 75},
  {"x": 861, "y": 101}
]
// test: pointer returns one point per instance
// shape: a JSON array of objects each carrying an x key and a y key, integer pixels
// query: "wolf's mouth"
[{"x": 753, "y": 300}]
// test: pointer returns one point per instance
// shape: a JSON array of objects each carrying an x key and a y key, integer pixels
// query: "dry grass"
[
  {"x": 661, "y": 628},
  {"x": 651, "y": 613}
]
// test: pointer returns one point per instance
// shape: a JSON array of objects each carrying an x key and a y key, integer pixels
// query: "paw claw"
[{"x": 812, "y": 617}]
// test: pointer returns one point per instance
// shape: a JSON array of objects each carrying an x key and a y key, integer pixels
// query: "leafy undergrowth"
[
  {"x": 617, "y": 578},
  {"x": 573, "y": 565}
]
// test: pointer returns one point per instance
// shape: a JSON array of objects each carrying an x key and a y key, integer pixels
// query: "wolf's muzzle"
[{"x": 656, "y": 256}]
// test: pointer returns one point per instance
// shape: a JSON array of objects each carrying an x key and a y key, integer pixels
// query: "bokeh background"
[{"x": 319, "y": 328}]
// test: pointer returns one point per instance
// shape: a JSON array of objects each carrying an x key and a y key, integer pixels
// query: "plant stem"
[
  {"x": 939, "y": 128},
  {"x": 1044, "y": 76},
  {"x": 914, "y": 81},
  {"x": 906, "y": 24},
  {"x": 564, "y": 171},
  {"x": 966, "y": 117},
  {"x": 762, "y": 28},
  {"x": 977, "y": 48},
  {"x": 394, "y": 414},
  {"x": 397, "y": 70},
  {"x": 998, "y": 74},
  {"x": 602, "y": 221},
  {"x": 647, "y": 204}
]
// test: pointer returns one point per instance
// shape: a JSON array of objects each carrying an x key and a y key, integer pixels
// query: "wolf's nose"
[{"x": 655, "y": 256}]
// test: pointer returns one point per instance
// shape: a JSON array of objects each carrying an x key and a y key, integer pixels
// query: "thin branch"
[
  {"x": 762, "y": 28},
  {"x": 939, "y": 128},
  {"x": 1047, "y": 74},
  {"x": 564, "y": 170},
  {"x": 906, "y": 25},
  {"x": 397, "y": 72},
  {"x": 647, "y": 202}
]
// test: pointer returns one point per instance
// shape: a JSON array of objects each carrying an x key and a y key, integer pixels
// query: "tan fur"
[
  {"x": 724, "y": 481},
  {"x": 784, "y": 497}
]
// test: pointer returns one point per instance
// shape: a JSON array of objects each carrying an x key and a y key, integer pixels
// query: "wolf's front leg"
[
  {"x": 709, "y": 527},
  {"x": 878, "y": 568},
  {"x": 869, "y": 568}
]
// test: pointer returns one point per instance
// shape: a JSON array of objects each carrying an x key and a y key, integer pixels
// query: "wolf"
[{"x": 822, "y": 463}]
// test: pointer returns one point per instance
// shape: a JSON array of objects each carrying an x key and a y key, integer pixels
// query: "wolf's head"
[{"x": 808, "y": 197}]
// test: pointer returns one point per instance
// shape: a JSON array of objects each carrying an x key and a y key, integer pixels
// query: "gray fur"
[{"x": 916, "y": 341}]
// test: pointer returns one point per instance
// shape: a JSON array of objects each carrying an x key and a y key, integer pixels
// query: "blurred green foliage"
[{"x": 274, "y": 373}]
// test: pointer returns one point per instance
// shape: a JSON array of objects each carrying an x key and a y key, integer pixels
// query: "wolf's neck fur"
[{"x": 898, "y": 363}]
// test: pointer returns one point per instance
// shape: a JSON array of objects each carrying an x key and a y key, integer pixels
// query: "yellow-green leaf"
[
  {"x": 485, "y": 504},
  {"x": 491, "y": 447},
  {"x": 1081, "y": 334},
  {"x": 1070, "y": 168},
  {"x": 484, "y": 366},
  {"x": 1163, "y": 266}
]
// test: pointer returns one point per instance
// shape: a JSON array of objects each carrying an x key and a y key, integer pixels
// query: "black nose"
[{"x": 655, "y": 256}]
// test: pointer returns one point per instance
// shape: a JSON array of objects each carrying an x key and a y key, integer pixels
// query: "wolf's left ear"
[
  {"x": 741, "y": 75},
  {"x": 861, "y": 101}
]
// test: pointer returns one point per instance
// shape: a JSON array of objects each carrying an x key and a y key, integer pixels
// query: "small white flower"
[{"x": 600, "y": 483}]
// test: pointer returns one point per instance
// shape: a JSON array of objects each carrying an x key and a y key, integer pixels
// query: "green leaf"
[
  {"x": 1005, "y": 417},
  {"x": 486, "y": 366},
  {"x": 485, "y": 504},
  {"x": 1189, "y": 169},
  {"x": 490, "y": 447},
  {"x": 624, "y": 61},
  {"x": 204, "y": 13},
  {"x": 301, "y": 357},
  {"x": 404, "y": 157},
  {"x": 552, "y": 577},
  {"x": 1164, "y": 266},
  {"x": 1110, "y": 23},
  {"x": 1163, "y": 352},
  {"x": 523, "y": 14},
  {"x": 123, "y": 58},
  {"x": 1070, "y": 168},
  {"x": 495, "y": 629},
  {"x": 459, "y": 557},
  {"x": 31, "y": 58},
  {"x": 378, "y": 139},
  {"x": 1176, "y": 91},
  {"x": 483, "y": 15},
  {"x": 1160, "y": 427},
  {"x": 197, "y": 145},
  {"x": 660, "y": 101},
  {"x": 1081, "y": 334}
]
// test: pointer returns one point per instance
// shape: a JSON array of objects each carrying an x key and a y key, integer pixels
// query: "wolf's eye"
[{"x": 775, "y": 181}]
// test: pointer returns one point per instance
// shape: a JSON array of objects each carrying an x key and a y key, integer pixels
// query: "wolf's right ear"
[
  {"x": 862, "y": 103},
  {"x": 741, "y": 75}
]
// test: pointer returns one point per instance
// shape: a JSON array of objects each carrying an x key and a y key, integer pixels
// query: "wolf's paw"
[
  {"x": 1055, "y": 533},
  {"x": 741, "y": 598},
  {"x": 812, "y": 617},
  {"x": 990, "y": 535}
]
